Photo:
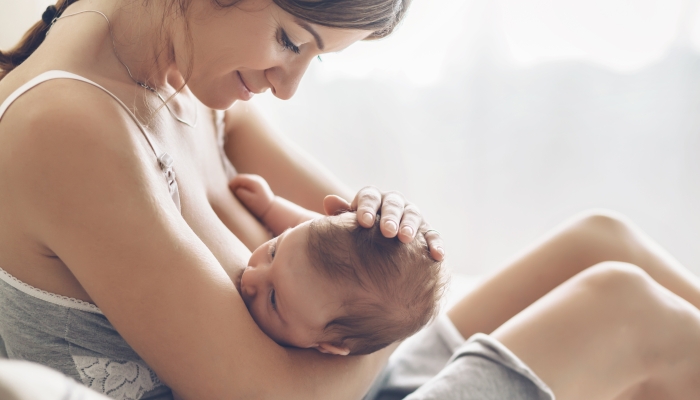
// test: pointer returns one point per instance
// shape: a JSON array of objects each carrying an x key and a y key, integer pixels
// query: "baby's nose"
[
  {"x": 249, "y": 291},
  {"x": 248, "y": 288}
]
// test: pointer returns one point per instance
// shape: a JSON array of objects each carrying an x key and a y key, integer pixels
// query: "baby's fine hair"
[{"x": 395, "y": 288}]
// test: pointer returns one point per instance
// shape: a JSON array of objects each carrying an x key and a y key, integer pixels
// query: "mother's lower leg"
[
  {"x": 608, "y": 332},
  {"x": 580, "y": 243}
]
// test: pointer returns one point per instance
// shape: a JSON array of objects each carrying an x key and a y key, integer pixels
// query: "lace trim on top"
[{"x": 53, "y": 298}]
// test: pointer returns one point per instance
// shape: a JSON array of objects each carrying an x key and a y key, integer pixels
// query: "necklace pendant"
[
  {"x": 143, "y": 85},
  {"x": 166, "y": 165}
]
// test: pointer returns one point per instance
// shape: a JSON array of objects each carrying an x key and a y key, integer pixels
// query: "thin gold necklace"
[{"x": 128, "y": 71}]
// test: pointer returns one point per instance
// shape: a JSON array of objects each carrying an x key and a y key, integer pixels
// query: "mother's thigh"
[{"x": 608, "y": 331}]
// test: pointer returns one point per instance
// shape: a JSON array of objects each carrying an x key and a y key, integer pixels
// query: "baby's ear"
[{"x": 328, "y": 348}]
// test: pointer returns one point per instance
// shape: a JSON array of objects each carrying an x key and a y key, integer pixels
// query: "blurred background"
[{"x": 501, "y": 118}]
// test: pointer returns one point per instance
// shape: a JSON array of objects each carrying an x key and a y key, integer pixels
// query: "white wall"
[
  {"x": 501, "y": 118},
  {"x": 16, "y": 16}
]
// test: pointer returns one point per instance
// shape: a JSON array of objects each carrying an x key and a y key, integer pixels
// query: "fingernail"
[
  {"x": 368, "y": 218},
  {"x": 407, "y": 231},
  {"x": 441, "y": 251},
  {"x": 391, "y": 226}
]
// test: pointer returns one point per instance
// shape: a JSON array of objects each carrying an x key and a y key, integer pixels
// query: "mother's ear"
[
  {"x": 334, "y": 205},
  {"x": 328, "y": 348}
]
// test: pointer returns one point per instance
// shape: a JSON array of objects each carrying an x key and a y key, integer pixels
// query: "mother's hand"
[{"x": 398, "y": 216}]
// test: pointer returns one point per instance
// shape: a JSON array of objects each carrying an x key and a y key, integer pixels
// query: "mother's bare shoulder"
[
  {"x": 66, "y": 140},
  {"x": 68, "y": 115}
]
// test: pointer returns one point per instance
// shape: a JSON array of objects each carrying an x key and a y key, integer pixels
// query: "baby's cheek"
[
  {"x": 261, "y": 324},
  {"x": 275, "y": 334}
]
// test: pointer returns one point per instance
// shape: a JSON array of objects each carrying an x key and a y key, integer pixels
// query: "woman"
[{"x": 122, "y": 203}]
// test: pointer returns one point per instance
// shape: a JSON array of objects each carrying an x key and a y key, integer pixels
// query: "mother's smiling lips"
[{"x": 243, "y": 91}]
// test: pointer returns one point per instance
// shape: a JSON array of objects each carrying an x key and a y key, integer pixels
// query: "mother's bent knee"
[
  {"x": 660, "y": 322},
  {"x": 601, "y": 218},
  {"x": 614, "y": 278}
]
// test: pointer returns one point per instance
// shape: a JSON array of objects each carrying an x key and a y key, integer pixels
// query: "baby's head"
[{"x": 332, "y": 285}]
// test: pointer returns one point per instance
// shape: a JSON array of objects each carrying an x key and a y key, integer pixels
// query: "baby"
[{"x": 330, "y": 284}]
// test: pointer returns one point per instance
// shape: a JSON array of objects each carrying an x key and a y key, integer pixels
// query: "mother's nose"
[{"x": 284, "y": 80}]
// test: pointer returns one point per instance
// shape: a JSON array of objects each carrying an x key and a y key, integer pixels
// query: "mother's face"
[{"x": 251, "y": 47}]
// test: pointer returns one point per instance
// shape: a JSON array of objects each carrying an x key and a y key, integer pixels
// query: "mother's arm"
[{"x": 88, "y": 195}]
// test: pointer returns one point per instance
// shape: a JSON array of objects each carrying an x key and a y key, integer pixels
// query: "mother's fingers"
[
  {"x": 367, "y": 203},
  {"x": 393, "y": 205},
  {"x": 435, "y": 243},
  {"x": 410, "y": 222},
  {"x": 398, "y": 217}
]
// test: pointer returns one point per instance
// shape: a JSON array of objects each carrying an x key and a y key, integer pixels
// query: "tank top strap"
[
  {"x": 219, "y": 125},
  {"x": 165, "y": 161}
]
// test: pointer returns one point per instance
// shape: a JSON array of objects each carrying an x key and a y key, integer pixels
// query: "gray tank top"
[
  {"x": 70, "y": 335},
  {"x": 75, "y": 338}
]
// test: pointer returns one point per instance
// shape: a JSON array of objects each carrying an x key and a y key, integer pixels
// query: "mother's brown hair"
[{"x": 379, "y": 16}]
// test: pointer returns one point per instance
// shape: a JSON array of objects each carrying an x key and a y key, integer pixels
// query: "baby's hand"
[{"x": 254, "y": 192}]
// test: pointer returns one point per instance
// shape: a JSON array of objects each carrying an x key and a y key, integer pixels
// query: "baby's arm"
[{"x": 276, "y": 213}]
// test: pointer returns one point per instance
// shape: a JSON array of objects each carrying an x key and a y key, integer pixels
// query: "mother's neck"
[{"x": 143, "y": 40}]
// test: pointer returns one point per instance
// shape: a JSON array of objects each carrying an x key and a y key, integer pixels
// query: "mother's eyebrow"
[{"x": 312, "y": 31}]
